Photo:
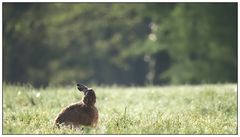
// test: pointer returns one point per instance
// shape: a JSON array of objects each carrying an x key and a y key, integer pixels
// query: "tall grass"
[{"x": 203, "y": 109}]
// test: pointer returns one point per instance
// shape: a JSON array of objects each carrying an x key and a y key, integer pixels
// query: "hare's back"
[{"x": 72, "y": 113}]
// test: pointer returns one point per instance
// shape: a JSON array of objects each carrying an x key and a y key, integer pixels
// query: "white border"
[{"x": 145, "y": 1}]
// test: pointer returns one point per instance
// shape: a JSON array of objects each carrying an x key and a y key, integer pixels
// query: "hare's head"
[{"x": 90, "y": 97}]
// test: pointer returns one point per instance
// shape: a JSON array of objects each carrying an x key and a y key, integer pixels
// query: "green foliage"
[
  {"x": 203, "y": 109},
  {"x": 201, "y": 40},
  {"x": 106, "y": 43}
]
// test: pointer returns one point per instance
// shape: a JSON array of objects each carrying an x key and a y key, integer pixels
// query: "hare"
[{"x": 80, "y": 113}]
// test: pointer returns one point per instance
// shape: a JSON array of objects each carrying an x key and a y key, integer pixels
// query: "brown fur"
[{"x": 81, "y": 113}]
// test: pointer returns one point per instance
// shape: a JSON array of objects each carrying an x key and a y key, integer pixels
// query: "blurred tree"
[
  {"x": 58, "y": 44},
  {"x": 23, "y": 36},
  {"x": 107, "y": 43},
  {"x": 92, "y": 46},
  {"x": 201, "y": 40}
]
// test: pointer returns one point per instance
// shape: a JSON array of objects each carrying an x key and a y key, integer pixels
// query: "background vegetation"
[
  {"x": 205, "y": 109},
  {"x": 125, "y": 51},
  {"x": 119, "y": 43}
]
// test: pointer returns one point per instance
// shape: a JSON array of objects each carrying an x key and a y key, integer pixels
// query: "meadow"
[{"x": 184, "y": 109}]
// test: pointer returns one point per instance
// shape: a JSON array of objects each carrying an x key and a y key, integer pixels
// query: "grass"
[{"x": 202, "y": 109}]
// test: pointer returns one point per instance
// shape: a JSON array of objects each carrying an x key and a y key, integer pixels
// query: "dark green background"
[{"x": 119, "y": 43}]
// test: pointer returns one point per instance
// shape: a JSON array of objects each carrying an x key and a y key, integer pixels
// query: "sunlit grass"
[{"x": 203, "y": 109}]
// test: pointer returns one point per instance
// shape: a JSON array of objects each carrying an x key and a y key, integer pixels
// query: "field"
[{"x": 186, "y": 109}]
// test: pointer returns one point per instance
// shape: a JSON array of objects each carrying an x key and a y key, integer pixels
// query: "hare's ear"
[{"x": 82, "y": 87}]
